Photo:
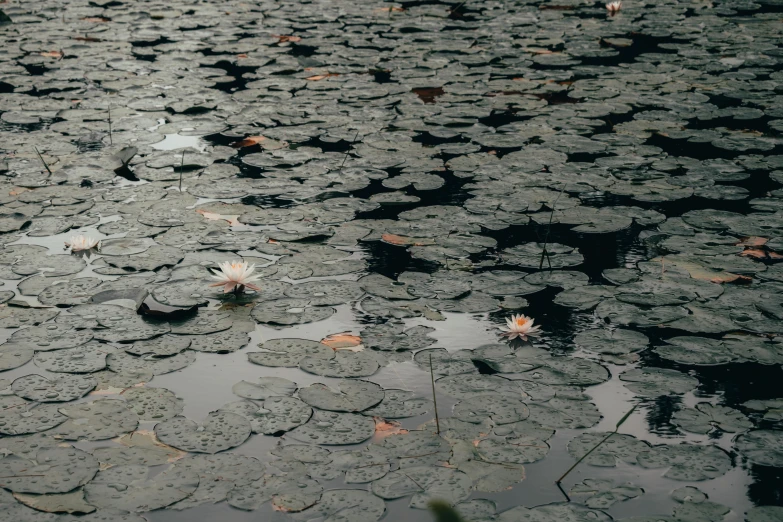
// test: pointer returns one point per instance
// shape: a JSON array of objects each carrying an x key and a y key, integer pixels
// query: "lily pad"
[
  {"x": 353, "y": 396},
  {"x": 761, "y": 447},
  {"x": 153, "y": 404},
  {"x": 51, "y": 470},
  {"x": 344, "y": 364},
  {"x": 264, "y": 388},
  {"x": 220, "y": 431},
  {"x": 289, "y": 352},
  {"x": 57, "y": 389},
  {"x": 332, "y": 428},
  {"x": 98, "y": 420},
  {"x": 276, "y": 415},
  {"x": 654, "y": 382},
  {"x": 139, "y": 489}
]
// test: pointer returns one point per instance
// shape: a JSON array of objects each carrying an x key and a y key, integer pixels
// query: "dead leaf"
[
  {"x": 321, "y": 76},
  {"x": 148, "y": 440},
  {"x": 697, "y": 271},
  {"x": 760, "y": 253},
  {"x": 753, "y": 241},
  {"x": 248, "y": 142},
  {"x": 428, "y": 95},
  {"x": 287, "y": 38},
  {"x": 394, "y": 239},
  {"x": 341, "y": 341},
  {"x": 241, "y": 56},
  {"x": 232, "y": 220},
  {"x": 18, "y": 190},
  {"x": 52, "y": 54},
  {"x": 96, "y": 19},
  {"x": 384, "y": 428},
  {"x": 393, "y": 9}
]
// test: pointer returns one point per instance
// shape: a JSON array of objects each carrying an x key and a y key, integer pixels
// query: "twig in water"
[
  {"x": 548, "y": 228},
  {"x": 617, "y": 427},
  {"x": 346, "y": 152},
  {"x": 663, "y": 266},
  {"x": 111, "y": 141},
  {"x": 42, "y": 161},
  {"x": 434, "y": 398},
  {"x": 181, "y": 170}
]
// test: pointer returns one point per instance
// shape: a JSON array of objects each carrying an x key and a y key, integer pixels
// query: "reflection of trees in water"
[
  {"x": 659, "y": 414},
  {"x": 767, "y": 487}
]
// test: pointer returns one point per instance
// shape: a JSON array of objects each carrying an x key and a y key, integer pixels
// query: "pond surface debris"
[{"x": 247, "y": 247}]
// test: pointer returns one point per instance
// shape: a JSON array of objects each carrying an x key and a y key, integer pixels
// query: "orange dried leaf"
[
  {"x": 321, "y": 76},
  {"x": 52, "y": 54},
  {"x": 241, "y": 56},
  {"x": 248, "y": 142},
  {"x": 384, "y": 428},
  {"x": 393, "y": 9},
  {"x": 394, "y": 239},
  {"x": 232, "y": 220},
  {"x": 341, "y": 340},
  {"x": 287, "y": 38},
  {"x": 753, "y": 241}
]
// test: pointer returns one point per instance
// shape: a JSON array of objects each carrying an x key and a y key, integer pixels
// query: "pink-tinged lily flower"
[
  {"x": 614, "y": 7},
  {"x": 78, "y": 243},
  {"x": 234, "y": 276},
  {"x": 520, "y": 326}
]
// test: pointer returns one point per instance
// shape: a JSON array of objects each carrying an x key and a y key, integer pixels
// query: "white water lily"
[
  {"x": 614, "y": 7},
  {"x": 520, "y": 326},
  {"x": 78, "y": 243},
  {"x": 234, "y": 276}
]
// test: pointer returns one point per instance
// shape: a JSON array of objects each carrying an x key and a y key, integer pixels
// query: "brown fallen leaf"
[
  {"x": 394, "y": 239},
  {"x": 248, "y": 142},
  {"x": 428, "y": 95},
  {"x": 232, "y": 220},
  {"x": 393, "y": 9},
  {"x": 96, "y": 19},
  {"x": 242, "y": 56},
  {"x": 287, "y": 38},
  {"x": 697, "y": 271},
  {"x": 321, "y": 76},
  {"x": 52, "y": 54},
  {"x": 385, "y": 428},
  {"x": 760, "y": 253},
  {"x": 18, "y": 190},
  {"x": 147, "y": 440},
  {"x": 753, "y": 241},
  {"x": 341, "y": 341}
]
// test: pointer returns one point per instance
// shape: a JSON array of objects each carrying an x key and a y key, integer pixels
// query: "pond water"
[{"x": 406, "y": 180}]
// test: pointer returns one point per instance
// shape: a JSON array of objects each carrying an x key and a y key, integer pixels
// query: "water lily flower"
[
  {"x": 520, "y": 326},
  {"x": 614, "y": 7},
  {"x": 234, "y": 276},
  {"x": 78, "y": 243}
]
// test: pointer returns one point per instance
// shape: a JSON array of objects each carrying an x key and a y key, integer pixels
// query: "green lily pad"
[
  {"x": 220, "y": 431},
  {"x": 87, "y": 358},
  {"x": 617, "y": 448},
  {"x": 705, "y": 417},
  {"x": 122, "y": 362},
  {"x": 289, "y": 352},
  {"x": 98, "y": 420},
  {"x": 162, "y": 346},
  {"x": 62, "y": 388},
  {"x": 276, "y": 415},
  {"x": 334, "y": 428},
  {"x": 18, "y": 416},
  {"x": 400, "y": 404},
  {"x": 139, "y": 489},
  {"x": 603, "y": 493},
  {"x": 51, "y": 470},
  {"x": 761, "y": 447},
  {"x": 287, "y": 493},
  {"x": 654, "y": 382},
  {"x": 687, "y": 461},
  {"x": 424, "y": 483},
  {"x": 264, "y": 388},
  {"x": 153, "y": 404},
  {"x": 344, "y": 364},
  {"x": 218, "y": 475},
  {"x": 618, "y": 346},
  {"x": 353, "y": 396},
  {"x": 348, "y": 505}
]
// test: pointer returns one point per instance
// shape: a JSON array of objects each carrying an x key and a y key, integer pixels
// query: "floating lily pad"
[
  {"x": 289, "y": 352},
  {"x": 603, "y": 493},
  {"x": 153, "y": 404},
  {"x": 334, "y": 428},
  {"x": 348, "y": 505},
  {"x": 51, "y": 336},
  {"x": 162, "y": 346},
  {"x": 400, "y": 404},
  {"x": 51, "y": 470},
  {"x": 276, "y": 415},
  {"x": 122, "y": 362},
  {"x": 220, "y": 431},
  {"x": 761, "y": 447},
  {"x": 218, "y": 475},
  {"x": 687, "y": 461},
  {"x": 264, "y": 388},
  {"x": 705, "y": 417},
  {"x": 424, "y": 483},
  {"x": 98, "y": 420},
  {"x": 57, "y": 389},
  {"x": 286, "y": 493},
  {"x": 618, "y": 346},
  {"x": 87, "y": 358},
  {"x": 290, "y": 311},
  {"x": 654, "y": 382},
  {"x": 499, "y": 408},
  {"x": 227, "y": 341},
  {"x": 344, "y": 364},
  {"x": 139, "y": 489},
  {"x": 353, "y": 396},
  {"x": 617, "y": 448}
]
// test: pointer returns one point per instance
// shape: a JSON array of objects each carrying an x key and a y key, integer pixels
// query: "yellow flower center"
[{"x": 521, "y": 321}]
